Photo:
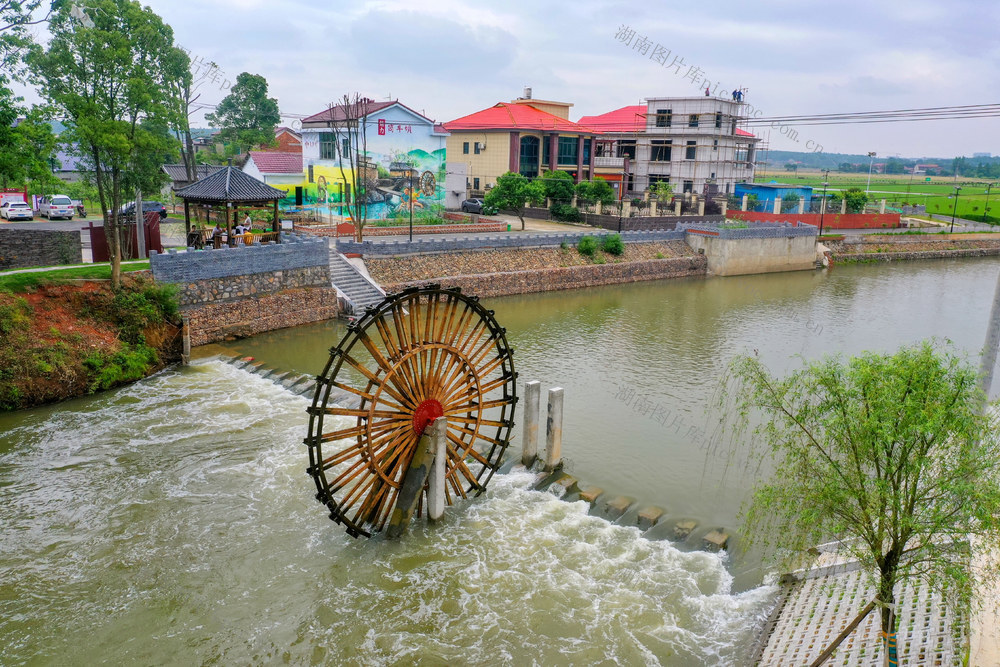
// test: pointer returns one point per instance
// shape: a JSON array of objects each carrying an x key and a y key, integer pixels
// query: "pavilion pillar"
[
  {"x": 187, "y": 218},
  {"x": 277, "y": 223}
]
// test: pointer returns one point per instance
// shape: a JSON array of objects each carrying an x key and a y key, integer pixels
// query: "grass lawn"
[
  {"x": 935, "y": 194},
  {"x": 20, "y": 282}
]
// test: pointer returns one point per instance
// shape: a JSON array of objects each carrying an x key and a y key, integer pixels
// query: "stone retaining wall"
[
  {"x": 925, "y": 254},
  {"x": 248, "y": 286},
  {"x": 294, "y": 252},
  {"x": 568, "y": 277},
  {"x": 237, "y": 319},
  {"x": 372, "y": 230},
  {"x": 20, "y": 248}
]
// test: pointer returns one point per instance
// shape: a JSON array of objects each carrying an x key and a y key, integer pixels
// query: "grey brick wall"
[
  {"x": 756, "y": 230},
  {"x": 294, "y": 252},
  {"x": 20, "y": 248},
  {"x": 431, "y": 245}
]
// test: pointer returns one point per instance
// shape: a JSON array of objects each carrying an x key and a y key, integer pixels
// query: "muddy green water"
[{"x": 172, "y": 522}]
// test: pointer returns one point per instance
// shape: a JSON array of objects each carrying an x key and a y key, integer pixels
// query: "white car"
[
  {"x": 56, "y": 206},
  {"x": 16, "y": 210}
]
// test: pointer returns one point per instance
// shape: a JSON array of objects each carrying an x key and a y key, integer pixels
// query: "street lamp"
[
  {"x": 986, "y": 207},
  {"x": 822, "y": 208},
  {"x": 871, "y": 161},
  {"x": 954, "y": 209}
]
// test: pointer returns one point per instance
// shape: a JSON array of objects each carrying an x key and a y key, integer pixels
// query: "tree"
[
  {"x": 39, "y": 145},
  {"x": 789, "y": 201},
  {"x": 11, "y": 152},
  {"x": 16, "y": 16},
  {"x": 888, "y": 453},
  {"x": 595, "y": 190},
  {"x": 856, "y": 200},
  {"x": 513, "y": 192},
  {"x": 662, "y": 190},
  {"x": 110, "y": 77},
  {"x": 558, "y": 186},
  {"x": 349, "y": 120},
  {"x": 247, "y": 117}
]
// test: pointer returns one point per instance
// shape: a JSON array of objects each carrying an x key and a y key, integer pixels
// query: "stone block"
[
  {"x": 567, "y": 482},
  {"x": 591, "y": 494},
  {"x": 649, "y": 517},
  {"x": 264, "y": 371},
  {"x": 616, "y": 507},
  {"x": 684, "y": 528},
  {"x": 716, "y": 540},
  {"x": 278, "y": 377}
]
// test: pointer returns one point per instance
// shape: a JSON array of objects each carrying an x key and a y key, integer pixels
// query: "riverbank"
[
  {"x": 509, "y": 271},
  {"x": 900, "y": 247},
  {"x": 59, "y": 340}
]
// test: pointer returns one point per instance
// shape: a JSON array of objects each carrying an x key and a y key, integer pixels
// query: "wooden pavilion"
[{"x": 233, "y": 191}]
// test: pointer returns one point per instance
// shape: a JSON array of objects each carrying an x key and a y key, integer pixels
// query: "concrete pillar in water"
[
  {"x": 185, "y": 341},
  {"x": 438, "y": 431},
  {"x": 553, "y": 429},
  {"x": 529, "y": 447},
  {"x": 746, "y": 198},
  {"x": 413, "y": 485}
]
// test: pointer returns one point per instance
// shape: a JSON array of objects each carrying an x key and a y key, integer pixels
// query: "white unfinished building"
[{"x": 693, "y": 143}]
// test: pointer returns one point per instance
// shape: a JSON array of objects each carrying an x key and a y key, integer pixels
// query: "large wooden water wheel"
[{"x": 421, "y": 354}]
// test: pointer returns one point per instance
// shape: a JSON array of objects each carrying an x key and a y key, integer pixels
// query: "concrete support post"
[
  {"x": 777, "y": 204},
  {"x": 881, "y": 206},
  {"x": 626, "y": 208},
  {"x": 597, "y": 207},
  {"x": 724, "y": 206},
  {"x": 652, "y": 207},
  {"x": 553, "y": 430},
  {"x": 677, "y": 206},
  {"x": 185, "y": 341},
  {"x": 529, "y": 446},
  {"x": 843, "y": 205},
  {"x": 802, "y": 206},
  {"x": 412, "y": 486},
  {"x": 438, "y": 430},
  {"x": 744, "y": 205},
  {"x": 573, "y": 201},
  {"x": 701, "y": 206},
  {"x": 548, "y": 203}
]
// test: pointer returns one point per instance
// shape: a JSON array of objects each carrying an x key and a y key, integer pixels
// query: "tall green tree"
[
  {"x": 16, "y": 18},
  {"x": 247, "y": 117},
  {"x": 11, "y": 153},
  {"x": 513, "y": 192},
  {"x": 39, "y": 145},
  {"x": 558, "y": 186},
  {"x": 595, "y": 190},
  {"x": 110, "y": 77},
  {"x": 888, "y": 453}
]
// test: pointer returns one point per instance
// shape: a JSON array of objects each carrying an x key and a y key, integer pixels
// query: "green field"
[{"x": 896, "y": 190}]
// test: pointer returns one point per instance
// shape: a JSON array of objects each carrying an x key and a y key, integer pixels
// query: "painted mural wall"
[{"x": 405, "y": 161}]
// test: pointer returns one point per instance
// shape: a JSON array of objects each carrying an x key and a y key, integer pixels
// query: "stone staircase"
[{"x": 360, "y": 291}]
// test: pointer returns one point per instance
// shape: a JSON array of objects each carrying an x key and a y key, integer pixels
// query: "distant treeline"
[{"x": 972, "y": 167}]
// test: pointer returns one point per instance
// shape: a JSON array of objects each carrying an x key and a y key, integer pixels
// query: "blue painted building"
[{"x": 767, "y": 193}]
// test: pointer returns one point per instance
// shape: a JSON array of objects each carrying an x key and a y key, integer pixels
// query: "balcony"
[{"x": 609, "y": 162}]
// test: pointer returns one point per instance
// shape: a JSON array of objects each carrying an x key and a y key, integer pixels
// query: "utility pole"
[
  {"x": 954, "y": 209},
  {"x": 986, "y": 206},
  {"x": 822, "y": 208},
  {"x": 871, "y": 161}
]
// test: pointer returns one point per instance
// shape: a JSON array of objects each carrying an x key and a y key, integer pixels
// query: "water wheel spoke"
[
  {"x": 469, "y": 449},
  {"x": 374, "y": 380}
]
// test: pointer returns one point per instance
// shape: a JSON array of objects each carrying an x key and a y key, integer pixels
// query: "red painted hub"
[{"x": 425, "y": 413}]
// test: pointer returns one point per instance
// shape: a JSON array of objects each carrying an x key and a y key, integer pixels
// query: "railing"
[{"x": 612, "y": 162}]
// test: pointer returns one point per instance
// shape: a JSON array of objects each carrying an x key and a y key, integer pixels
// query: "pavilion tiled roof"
[
  {"x": 505, "y": 116},
  {"x": 230, "y": 184},
  {"x": 178, "y": 172},
  {"x": 275, "y": 162}
]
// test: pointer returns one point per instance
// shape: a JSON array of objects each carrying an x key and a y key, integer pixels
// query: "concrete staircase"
[{"x": 358, "y": 288}]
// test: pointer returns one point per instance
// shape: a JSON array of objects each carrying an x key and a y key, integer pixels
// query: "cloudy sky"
[{"x": 453, "y": 57}]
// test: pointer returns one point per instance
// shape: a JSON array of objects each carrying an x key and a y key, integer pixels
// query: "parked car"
[
  {"x": 56, "y": 206},
  {"x": 472, "y": 206},
  {"x": 16, "y": 210},
  {"x": 147, "y": 207}
]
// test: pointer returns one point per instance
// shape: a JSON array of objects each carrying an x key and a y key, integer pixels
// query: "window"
[
  {"x": 465, "y": 148},
  {"x": 718, "y": 119},
  {"x": 626, "y": 148},
  {"x": 476, "y": 147},
  {"x": 715, "y": 144},
  {"x": 529, "y": 156},
  {"x": 689, "y": 152},
  {"x": 567, "y": 150},
  {"x": 475, "y": 184},
  {"x": 546, "y": 151},
  {"x": 660, "y": 151},
  {"x": 345, "y": 146},
  {"x": 311, "y": 174},
  {"x": 741, "y": 154},
  {"x": 688, "y": 186},
  {"x": 658, "y": 178},
  {"x": 693, "y": 120},
  {"x": 663, "y": 117},
  {"x": 327, "y": 146},
  {"x": 586, "y": 151}
]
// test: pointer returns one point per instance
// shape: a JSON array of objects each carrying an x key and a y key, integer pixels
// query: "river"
[{"x": 172, "y": 521}]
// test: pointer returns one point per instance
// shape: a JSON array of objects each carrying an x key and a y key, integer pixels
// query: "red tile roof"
[
  {"x": 743, "y": 133},
  {"x": 273, "y": 162},
  {"x": 626, "y": 119},
  {"x": 506, "y": 116},
  {"x": 339, "y": 113}
]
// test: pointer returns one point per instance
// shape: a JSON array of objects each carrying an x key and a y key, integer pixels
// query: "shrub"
[
  {"x": 600, "y": 259},
  {"x": 127, "y": 364},
  {"x": 613, "y": 245},
  {"x": 587, "y": 246},
  {"x": 659, "y": 255},
  {"x": 565, "y": 212}
]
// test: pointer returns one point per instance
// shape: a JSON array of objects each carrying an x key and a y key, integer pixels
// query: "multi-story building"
[
  {"x": 691, "y": 142},
  {"x": 525, "y": 136}
]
